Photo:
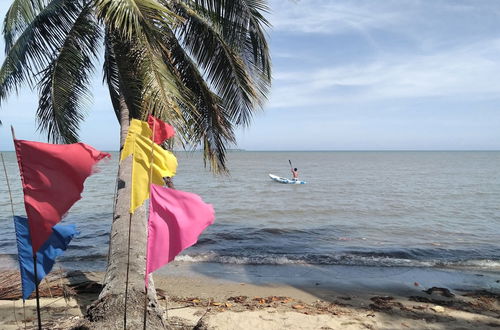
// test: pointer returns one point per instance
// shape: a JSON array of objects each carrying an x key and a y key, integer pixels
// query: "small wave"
[
  {"x": 238, "y": 260},
  {"x": 348, "y": 260},
  {"x": 280, "y": 231},
  {"x": 265, "y": 234}
]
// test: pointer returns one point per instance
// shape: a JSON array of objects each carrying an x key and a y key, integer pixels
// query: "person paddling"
[
  {"x": 168, "y": 182},
  {"x": 295, "y": 171}
]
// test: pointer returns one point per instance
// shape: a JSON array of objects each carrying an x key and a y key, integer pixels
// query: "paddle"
[{"x": 291, "y": 166}]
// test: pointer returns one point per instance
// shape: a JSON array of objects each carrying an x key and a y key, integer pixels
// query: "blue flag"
[{"x": 55, "y": 245}]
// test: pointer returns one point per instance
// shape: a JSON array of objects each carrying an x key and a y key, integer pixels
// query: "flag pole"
[
  {"x": 13, "y": 215},
  {"x": 34, "y": 253},
  {"x": 129, "y": 233},
  {"x": 146, "y": 277},
  {"x": 37, "y": 294},
  {"x": 8, "y": 185}
]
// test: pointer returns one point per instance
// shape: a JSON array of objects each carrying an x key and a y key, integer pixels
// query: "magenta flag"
[{"x": 176, "y": 219}]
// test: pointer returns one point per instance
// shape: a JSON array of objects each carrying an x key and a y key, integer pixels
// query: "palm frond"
[
  {"x": 224, "y": 66},
  {"x": 19, "y": 15},
  {"x": 132, "y": 17},
  {"x": 34, "y": 49},
  {"x": 121, "y": 73},
  {"x": 162, "y": 91},
  {"x": 209, "y": 120},
  {"x": 137, "y": 22},
  {"x": 111, "y": 74},
  {"x": 242, "y": 24},
  {"x": 64, "y": 85}
]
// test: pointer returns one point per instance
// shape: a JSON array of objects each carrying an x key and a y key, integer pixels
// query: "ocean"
[{"x": 437, "y": 209}]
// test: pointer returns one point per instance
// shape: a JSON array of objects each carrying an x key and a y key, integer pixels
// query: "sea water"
[{"x": 415, "y": 209}]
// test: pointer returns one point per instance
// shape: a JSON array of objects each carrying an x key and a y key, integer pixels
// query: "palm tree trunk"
[{"x": 127, "y": 258}]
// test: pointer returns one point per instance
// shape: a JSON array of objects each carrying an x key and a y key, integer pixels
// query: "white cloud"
[
  {"x": 470, "y": 71},
  {"x": 329, "y": 17}
]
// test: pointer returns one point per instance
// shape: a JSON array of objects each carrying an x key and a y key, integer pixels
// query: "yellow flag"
[{"x": 139, "y": 144}]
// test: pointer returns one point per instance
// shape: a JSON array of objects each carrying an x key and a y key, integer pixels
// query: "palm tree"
[{"x": 201, "y": 65}]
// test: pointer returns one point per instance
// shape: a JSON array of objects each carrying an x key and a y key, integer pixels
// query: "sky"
[{"x": 351, "y": 75}]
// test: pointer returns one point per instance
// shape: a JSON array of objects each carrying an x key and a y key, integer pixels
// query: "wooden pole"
[
  {"x": 146, "y": 304},
  {"x": 12, "y": 210},
  {"x": 34, "y": 253},
  {"x": 13, "y": 133},
  {"x": 129, "y": 234},
  {"x": 8, "y": 185},
  {"x": 128, "y": 268},
  {"x": 37, "y": 293},
  {"x": 146, "y": 277}
]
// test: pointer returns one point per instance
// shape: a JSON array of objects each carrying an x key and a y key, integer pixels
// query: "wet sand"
[{"x": 298, "y": 297}]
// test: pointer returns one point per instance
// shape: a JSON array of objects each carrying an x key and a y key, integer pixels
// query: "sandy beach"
[{"x": 192, "y": 300}]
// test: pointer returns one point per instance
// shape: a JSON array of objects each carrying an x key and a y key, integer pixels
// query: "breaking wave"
[{"x": 348, "y": 260}]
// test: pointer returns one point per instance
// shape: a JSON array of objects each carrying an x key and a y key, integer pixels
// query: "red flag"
[
  {"x": 52, "y": 177},
  {"x": 161, "y": 130}
]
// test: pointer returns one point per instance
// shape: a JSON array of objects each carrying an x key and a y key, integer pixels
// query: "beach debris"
[
  {"x": 345, "y": 297},
  {"x": 86, "y": 287},
  {"x": 162, "y": 295},
  {"x": 381, "y": 298},
  {"x": 419, "y": 307},
  {"x": 298, "y": 306},
  {"x": 441, "y": 291},
  {"x": 431, "y": 301},
  {"x": 10, "y": 286},
  {"x": 238, "y": 299},
  {"x": 483, "y": 293},
  {"x": 260, "y": 300},
  {"x": 271, "y": 299},
  {"x": 437, "y": 309},
  {"x": 384, "y": 303}
]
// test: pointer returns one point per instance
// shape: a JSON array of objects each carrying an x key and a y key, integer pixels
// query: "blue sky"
[{"x": 353, "y": 75}]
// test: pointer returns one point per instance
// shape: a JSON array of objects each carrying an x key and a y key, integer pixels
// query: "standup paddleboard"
[{"x": 285, "y": 180}]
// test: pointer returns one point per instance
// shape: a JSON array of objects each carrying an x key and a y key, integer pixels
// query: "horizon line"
[{"x": 324, "y": 150}]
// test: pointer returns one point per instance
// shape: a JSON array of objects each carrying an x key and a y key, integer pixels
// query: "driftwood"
[{"x": 56, "y": 284}]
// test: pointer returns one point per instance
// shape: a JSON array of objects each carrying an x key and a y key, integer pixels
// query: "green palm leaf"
[
  {"x": 122, "y": 75},
  {"x": 20, "y": 14},
  {"x": 201, "y": 65},
  {"x": 64, "y": 86},
  {"x": 132, "y": 17},
  {"x": 224, "y": 68},
  {"x": 33, "y": 51},
  {"x": 241, "y": 23},
  {"x": 210, "y": 122}
]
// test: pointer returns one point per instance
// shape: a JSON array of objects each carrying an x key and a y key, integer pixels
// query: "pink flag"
[
  {"x": 176, "y": 219},
  {"x": 52, "y": 177}
]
